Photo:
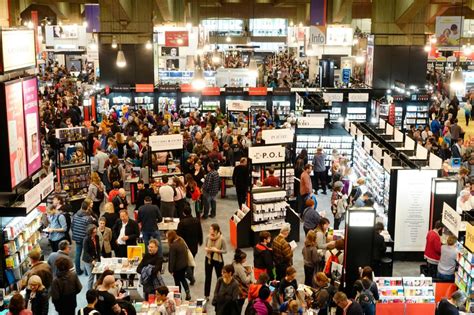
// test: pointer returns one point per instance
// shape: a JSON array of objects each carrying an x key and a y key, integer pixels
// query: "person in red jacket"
[
  {"x": 433, "y": 248},
  {"x": 271, "y": 180},
  {"x": 263, "y": 256}
]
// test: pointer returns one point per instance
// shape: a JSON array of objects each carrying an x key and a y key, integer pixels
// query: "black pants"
[
  {"x": 280, "y": 270},
  {"x": 320, "y": 177},
  {"x": 96, "y": 208},
  {"x": 241, "y": 197},
  {"x": 180, "y": 279},
  {"x": 337, "y": 222},
  {"x": 308, "y": 275},
  {"x": 55, "y": 244},
  {"x": 468, "y": 116},
  {"x": 209, "y": 265}
]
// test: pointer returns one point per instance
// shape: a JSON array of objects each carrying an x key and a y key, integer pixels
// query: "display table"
[
  {"x": 120, "y": 266},
  {"x": 225, "y": 174},
  {"x": 167, "y": 226}
]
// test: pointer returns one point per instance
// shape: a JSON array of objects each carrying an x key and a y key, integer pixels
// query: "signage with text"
[
  {"x": 166, "y": 142},
  {"x": 451, "y": 219},
  {"x": 267, "y": 154},
  {"x": 39, "y": 192},
  {"x": 333, "y": 97},
  {"x": 358, "y": 97},
  {"x": 277, "y": 136},
  {"x": 281, "y": 91},
  {"x": 211, "y": 91},
  {"x": 311, "y": 122},
  {"x": 238, "y": 106},
  {"x": 144, "y": 88},
  {"x": 255, "y": 91},
  {"x": 317, "y": 35},
  {"x": 167, "y": 88},
  {"x": 18, "y": 50},
  {"x": 234, "y": 90},
  {"x": 176, "y": 39},
  {"x": 469, "y": 237}
]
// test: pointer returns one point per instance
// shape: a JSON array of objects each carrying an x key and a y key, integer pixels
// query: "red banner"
[
  {"x": 144, "y": 88},
  {"x": 257, "y": 91},
  {"x": 176, "y": 39},
  {"x": 211, "y": 91},
  {"x": 187, "y": 88},
  {"x": 34, "y": 19}
]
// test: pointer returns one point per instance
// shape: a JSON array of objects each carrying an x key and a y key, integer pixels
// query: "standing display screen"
[
  {"x": 30, "y": 106},
  {"x": 16, "y": 132}
]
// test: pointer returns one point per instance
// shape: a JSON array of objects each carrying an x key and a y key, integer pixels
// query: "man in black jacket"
[
  {"x": 378, "y": 250},
  {"x": 349, "y": 307},
  {"x": 142, "y": 193},
  {"x": 240, "y": 178},
  {"x": 124, "y": 233},
  {"x": 190, "y": 230},
  {"x": 149, "y": 216}
]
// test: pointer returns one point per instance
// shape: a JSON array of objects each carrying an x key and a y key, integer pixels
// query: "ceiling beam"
[
  {"x": 411, "y": 9},
  {"x": 436, "y": 10},
  {"x": 117, "y": 10},
  {"x": 166, "y": 9},
  {"x": 345, "y": 6}
]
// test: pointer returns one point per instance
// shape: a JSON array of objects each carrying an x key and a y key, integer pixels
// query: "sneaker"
[
  {"x": 325, "y": 192},
  {"x": 188, "y": 296}
]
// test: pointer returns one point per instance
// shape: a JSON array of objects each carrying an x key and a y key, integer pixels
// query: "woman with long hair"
[
  {"x": 323, "y": 293},
  {"x": 193, "y": 194},
  {"x": 91, "y": 252},
  {"x": 215, "y": 248},
  {"x": 366, "y": 283},
  {"x": 110, "y": 215},
  {"x": 96, "y": 192},
  {"x": 178, "y": 261},
  {"x": 322, "y": 240},
  {"x": 180, "y": 196},
  {"x": 311, "y": 257},
  {"x": 243, "y": 275}
]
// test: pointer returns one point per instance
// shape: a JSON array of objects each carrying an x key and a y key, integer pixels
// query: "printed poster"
[
  {"x": 448, "y": 32},
  {"x": 30, "y": 105},
  {"x": 16, "y": 132}
]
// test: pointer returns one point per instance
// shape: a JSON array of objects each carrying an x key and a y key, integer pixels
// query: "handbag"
[{"x": 191, "y": 262}]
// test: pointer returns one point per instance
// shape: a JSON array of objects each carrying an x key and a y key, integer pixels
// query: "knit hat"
[{"x": 264, "y": 292}]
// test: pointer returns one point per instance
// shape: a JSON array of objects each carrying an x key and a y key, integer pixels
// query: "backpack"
[
  {"x": 67, "y": 217},
  {"x": 100, "y": 193},
  {"x": 331, "y": 259},
  {"x": 250, "y": 310},
  {"x": 114, "y": 174},
  {"x": 93, "y": 312},
  {"x": 365, "y": 297}
]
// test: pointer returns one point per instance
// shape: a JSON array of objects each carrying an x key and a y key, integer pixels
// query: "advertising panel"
[
  {"x": 18, "y": 50},
  {"x": 338, "y": 35},
  {"x": 412, "y": 214},
  {"x": 176, "y": 38},
  {"x": 267, "y": 154},
  {"x": 448, "y": 32},
  {"x": 166, "y": 142},
  {"x": 65, "y": 37},
  {"x": 30, "y": 106},
  {"x": 451, "y": 219},
  {"x": 16, "y": 132}
]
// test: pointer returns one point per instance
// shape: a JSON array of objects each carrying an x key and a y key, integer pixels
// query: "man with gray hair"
[
  {"x": 64, "y": 251},
  {"x": 451, "y": 305},
  {"x": 120, "y": 201},
  {"x": 282, "y": 252}
]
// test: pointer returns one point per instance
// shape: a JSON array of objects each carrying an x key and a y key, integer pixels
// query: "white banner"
[
  {"x": 278, "y": 136},
  {"x": 267, "y": 154},
  {"x": 337, "y": 35},
  {"x": 311, "y": 122},
  {"x": 333, "y": 97},
  {"x": 166, "y": 142},
  {"x": 448, "y": 32},
  {"x": 18, "y": 49},
  {"x": 358, "y": 97},
  {"x": 412, "y": 213},
  {"x": 451, "y": 219},
  {"x": 238, "y": 106},
  {"x": 316, "y": 36},
  {"x": 39, "y": 192}
]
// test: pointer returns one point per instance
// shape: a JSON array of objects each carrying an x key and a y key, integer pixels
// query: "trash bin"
[{"x": 387, "y": 267}]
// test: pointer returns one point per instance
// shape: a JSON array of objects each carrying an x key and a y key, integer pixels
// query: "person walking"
[
  {"x": 310, "y": 216},
  {"x": 215, "y": 248},
  {"x": 149, "y": 216},
  {"x": 91, "y": 254},
  {"x": 311, "y": 257},
  {"x": 96, "y": 193},
  {"x": 154, "y": 262},
  {"x": 366, "y": 291},
  {"x": 64, "y": 251},
  {"x": 167, "y": 193},
  {"x": 433, "y": 248},
  {"x": 178, "y": 261},
  {"x": 240, "y": 178},
  {"x": 65, "y": 288},
  {"x": 226, "y": 293},
  {"x": 180, "y": 196},
  {"x": 282, "y": 253},
  {"x": 120, "y": 201},
  {"x": 142, "y": 193},
  {"x": 80, "y": 221},
  {"x": 319, "y": 163},
  {"x": 37, "y": 297},
  {"x": 306, "y": 186},
  {"x": 105, "y": 238},
  {"x": 210, "y": 188},
  {"x": 190, "y": 230},
  {"x": 57, "y": 228},
  {"x": 243, "y": 275},
  {"x": 263, "y": 256}
]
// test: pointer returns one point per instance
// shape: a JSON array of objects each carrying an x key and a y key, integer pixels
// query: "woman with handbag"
[
  {"x": 178, "y": 261},
  {"x": 154, "y": 262},
  {"x": 215, "y": 248},
  {"x": 311, "y": 257},
  {"x": 243, "y": 275}
]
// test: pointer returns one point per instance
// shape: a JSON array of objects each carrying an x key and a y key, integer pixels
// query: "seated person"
[
  {"x": 165, "y": 301},
  {"x": 271, "y": 180}
]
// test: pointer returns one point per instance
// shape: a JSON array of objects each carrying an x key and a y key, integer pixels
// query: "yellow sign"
[{"x": 469, "y": 237}]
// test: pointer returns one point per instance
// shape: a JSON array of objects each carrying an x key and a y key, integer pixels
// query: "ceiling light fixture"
[
  {"x": 427, "y": 48},
  {"x": 228, "y": 39},
  {"x": 114, "y": 43},
  {"x": 457, "y": 79},
  {"x": 121, "y": 61},
  {"x": 148, "y": 45}
]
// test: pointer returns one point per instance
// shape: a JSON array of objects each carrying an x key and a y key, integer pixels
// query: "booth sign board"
[
  {"x": 267, "y": 154},
  {"x": 18, "y": 50},
  {"x": 311, "y": 122},
  {"x": 469, "y": 237},
  {"x": 166, "y": 142},
  {"x": 333, "y": 97},
  {"x": 277, "y": 136},
  {"x": 358, "y": 97},
  {"x": 451, "y": 219},
  {"x": 238, "y": 106},
  {"x": 39, "y": 192}
]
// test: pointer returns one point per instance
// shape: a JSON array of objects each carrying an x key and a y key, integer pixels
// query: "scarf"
[{"x": 217, "y": 243}]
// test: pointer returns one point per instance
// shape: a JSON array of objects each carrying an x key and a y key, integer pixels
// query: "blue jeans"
[
  {"x": 209, "y": 202},
  {"x": 77, "y": 258},
  {"x": 90, "y": 280},
  {"x": 446, "y": 278},
  {"x": 157, "y": 236}
]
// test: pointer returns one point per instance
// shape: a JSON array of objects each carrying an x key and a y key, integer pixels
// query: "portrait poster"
[
  {"x": 448, "y": 32},
  {"x": 30, "y": 106}
]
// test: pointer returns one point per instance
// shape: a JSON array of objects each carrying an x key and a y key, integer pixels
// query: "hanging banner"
[
  {"x": 369, "y": 63},
  {"x": 311, "y": 122},
  {"x": 39, "y": 192},
  {"x": 267, "y": 154},
  {"x": 412, "y": 213},
  {"x": 238, "y": 106},
  {"x": 448, "y": 32},
  {"x": 30, "y": 106},
  {"x": 451, "y": 219},
  {"x": 166, "y": 142},
  {"x": 277, "y": 136},
  {"x": 92, "y": 14},
  {"x": 317, "y": 12}
]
